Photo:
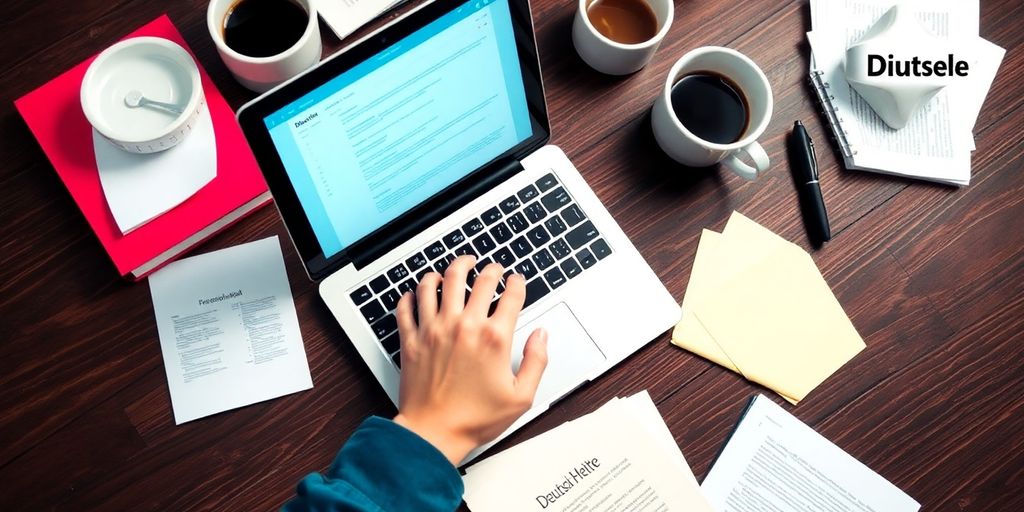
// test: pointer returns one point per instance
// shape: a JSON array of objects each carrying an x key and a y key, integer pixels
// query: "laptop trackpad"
[{"x": 572, "y": 354}]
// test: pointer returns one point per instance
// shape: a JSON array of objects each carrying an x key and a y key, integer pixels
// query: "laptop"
[{"x": 427, "y": 140}]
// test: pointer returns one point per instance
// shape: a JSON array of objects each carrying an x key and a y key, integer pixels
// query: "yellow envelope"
[
  {"x": 749, "y": 242},
  {"x": 689, "y": 333},
  {"x": 742, "y": 243},
  {"x": 780, "y": 323}
]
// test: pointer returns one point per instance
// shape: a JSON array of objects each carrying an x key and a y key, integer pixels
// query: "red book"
[{"x": 54, "y": 114}]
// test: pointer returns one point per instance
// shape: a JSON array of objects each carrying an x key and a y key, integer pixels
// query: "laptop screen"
[{"x": 394, "y": 130}]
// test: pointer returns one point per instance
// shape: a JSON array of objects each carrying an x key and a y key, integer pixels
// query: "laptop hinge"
[{"x": 431, "y": 212}]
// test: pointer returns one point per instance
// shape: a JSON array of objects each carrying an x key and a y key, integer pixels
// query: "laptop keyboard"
[{"x": 539, "y": 232}]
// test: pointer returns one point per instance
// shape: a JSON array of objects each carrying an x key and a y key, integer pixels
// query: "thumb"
[{"x": 535, "y": 359}]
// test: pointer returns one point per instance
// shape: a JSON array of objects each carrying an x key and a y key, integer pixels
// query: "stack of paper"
[
  {"x": 620, "y": 457},
  {"x": 775, "y": 462},
  {"x": 757, "y": 305},
  {"x": 936, "y": 144}
]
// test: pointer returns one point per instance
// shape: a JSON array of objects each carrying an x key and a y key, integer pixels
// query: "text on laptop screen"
[{"x": 394, "y": 130}]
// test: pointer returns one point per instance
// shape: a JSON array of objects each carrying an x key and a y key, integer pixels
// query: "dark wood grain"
[{"x": 932, "y": 277}]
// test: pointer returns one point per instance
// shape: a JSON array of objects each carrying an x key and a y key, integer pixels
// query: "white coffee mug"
[
  {"x": 688, "y": 149},
  {"x": 612, "y": 57},
  {"x": 261, "y": 74}
]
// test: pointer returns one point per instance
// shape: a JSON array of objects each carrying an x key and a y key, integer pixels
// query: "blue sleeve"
[{"x": 382, "y": 467}]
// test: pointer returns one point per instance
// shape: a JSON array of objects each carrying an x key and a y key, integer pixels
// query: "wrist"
[{"x": 452, "y": 445}]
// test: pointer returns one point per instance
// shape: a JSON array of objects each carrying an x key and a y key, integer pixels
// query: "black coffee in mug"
[
  {"x": 711, "y": 106},
  {"x": 264, "y": 28}
]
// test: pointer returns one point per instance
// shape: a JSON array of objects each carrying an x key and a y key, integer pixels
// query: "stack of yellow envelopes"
[{"x": 757, "y": 304}]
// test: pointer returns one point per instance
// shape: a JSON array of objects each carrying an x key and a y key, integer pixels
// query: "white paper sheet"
[
  {"x": 620, "y": 457},
  {"x": 228, "y": 330},
  {"x": 985, "y": 60},
  {"x": 140, "y": 188},
  {"x": 775, "y": 462},
  {"x": 346, "y": 16}
]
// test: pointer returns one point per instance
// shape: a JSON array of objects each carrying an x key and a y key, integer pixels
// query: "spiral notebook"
[{"x": 937, "y": 143}]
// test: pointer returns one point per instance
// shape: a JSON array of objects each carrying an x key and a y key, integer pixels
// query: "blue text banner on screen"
[{"x": 384, "y": 136}]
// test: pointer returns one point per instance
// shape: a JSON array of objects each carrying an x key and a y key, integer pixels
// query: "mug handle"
[{"x": 744, "y": 170}]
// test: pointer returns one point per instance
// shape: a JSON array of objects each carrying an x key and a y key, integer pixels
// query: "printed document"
[
  {"x": 228, "y": 330},
  {"x": 619, "y": 458},
  {"x": 775, "y": 462}
]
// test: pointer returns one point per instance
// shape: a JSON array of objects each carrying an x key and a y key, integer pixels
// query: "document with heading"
[
  {"x": 619, "y": 458},
  {"x": 228, "y": 330},
  {"x": 775, "y": 462}
]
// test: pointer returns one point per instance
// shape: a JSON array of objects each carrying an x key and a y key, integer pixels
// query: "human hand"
[{"x": 457, "y": 388}]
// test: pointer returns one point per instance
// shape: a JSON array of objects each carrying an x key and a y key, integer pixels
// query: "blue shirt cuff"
[{"x": 397, "y": 468}]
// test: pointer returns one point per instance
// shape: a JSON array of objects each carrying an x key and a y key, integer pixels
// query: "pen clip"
[{"x": 814, "y": 159}]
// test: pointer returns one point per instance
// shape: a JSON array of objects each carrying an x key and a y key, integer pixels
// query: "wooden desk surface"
[{"x": 932, "y": 277}]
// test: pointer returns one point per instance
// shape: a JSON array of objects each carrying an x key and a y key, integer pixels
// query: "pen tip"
[{"x": 798, "y": 123}]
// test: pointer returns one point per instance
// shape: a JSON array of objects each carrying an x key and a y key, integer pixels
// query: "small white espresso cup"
[
  {"x": 688, "y": 149},
  {"x": 612, "y": 57},
  {"x": 261, "y": 74}
]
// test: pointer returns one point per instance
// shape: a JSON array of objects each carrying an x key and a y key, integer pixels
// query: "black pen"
[{"x": 804, "y": 165}]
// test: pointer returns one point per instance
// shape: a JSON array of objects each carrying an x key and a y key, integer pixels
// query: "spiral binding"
[{"x": 831, "y": 113}]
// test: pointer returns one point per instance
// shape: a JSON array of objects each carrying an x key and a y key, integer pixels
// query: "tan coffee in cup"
[
  {"x": 618, "y": 37},
  {"x": 623, "y": 21}
]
